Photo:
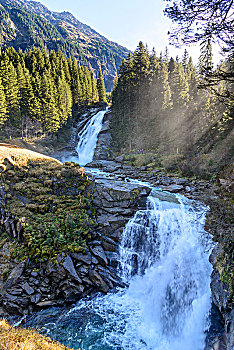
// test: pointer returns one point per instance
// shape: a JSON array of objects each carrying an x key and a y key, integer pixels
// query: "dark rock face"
[
  {"x": 220, "y": 298},
  {"x": 102, "y": 150}
]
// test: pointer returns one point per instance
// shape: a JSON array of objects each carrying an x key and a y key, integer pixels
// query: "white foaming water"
[
  {"x": 164, "y": 258},
  {"x": 88, "y": 138}
]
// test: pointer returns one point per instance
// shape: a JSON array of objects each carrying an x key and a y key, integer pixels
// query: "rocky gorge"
[{"x": 115, "y": 199}]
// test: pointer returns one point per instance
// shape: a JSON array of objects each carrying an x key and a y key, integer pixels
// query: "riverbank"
[{"x": 113, "y": 215}]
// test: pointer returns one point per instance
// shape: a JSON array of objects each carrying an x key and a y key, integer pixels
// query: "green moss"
[
  {"x": 51, "y": 203},
  {"x": 220, "y": 223}
]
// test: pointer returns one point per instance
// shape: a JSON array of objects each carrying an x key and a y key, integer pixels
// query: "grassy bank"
[
  {"x": 25, "y": 339},
  {"x": 48, "y": 201}
]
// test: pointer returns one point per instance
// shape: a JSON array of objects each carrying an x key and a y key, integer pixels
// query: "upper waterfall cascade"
[
  {"x": 164, "y": 261},
  {"x": 88, "y": 138}
]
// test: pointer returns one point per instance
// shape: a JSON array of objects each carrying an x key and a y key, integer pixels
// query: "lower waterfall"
[{"x": 163, "y": 258}]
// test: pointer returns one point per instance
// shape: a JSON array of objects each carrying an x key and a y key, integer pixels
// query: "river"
[{"x": 163, "y": 259}]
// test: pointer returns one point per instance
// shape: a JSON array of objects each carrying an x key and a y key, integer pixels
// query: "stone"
[
  {"x": 83, "y": 270},
  {"x": 49, "y": 269},
  {"x": 15, "y": 274},
  {"x": 180, "y": 181},
  {"x": 10, "y": 297},
  {"x": 69, "y": 267},
  {"x": 29, "y": 290},
  {"x": 34, "y": 273},
  {"x": 98, "y": 281},
  {"x": 35, "y": 298},
  {"x": 99, "y": 254},
  {"x": 173, "y": 188},
  {"x": 94, "y": 260},
  {"x": 85, "y": 258},
  {"x": 109, "y": 245},
  {"x": 47, "y": 303},
  {"x": 13, "y": 308},
  {"x": 119, "y": 159},
  {"x": 87, "y": 281}
]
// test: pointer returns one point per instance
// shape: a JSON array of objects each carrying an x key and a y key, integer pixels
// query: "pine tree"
[
  {"x": 50, "y": 115},
  {"x": 101, "y": 88},
  {"x": 179, "y": 88},
  {"x": 94, "y": 89},
  {"x": 205, "y": 59},
  {"x": 11, "y": 89},
  {"x": 3, "y": 105},
  {"x": 185, "y": 59},
  {"x": 64, "y": 100}
]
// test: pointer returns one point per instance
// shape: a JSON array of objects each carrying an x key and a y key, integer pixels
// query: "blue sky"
[{"x": 124, "y": 21}]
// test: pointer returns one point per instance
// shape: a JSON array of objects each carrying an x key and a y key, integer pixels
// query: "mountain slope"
[{"x": 24, "y": 24}]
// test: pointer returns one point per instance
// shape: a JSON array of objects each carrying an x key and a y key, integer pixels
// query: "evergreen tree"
[
  {"x": 11, "y": 89},
  {"x": 64, "y": 101},
  {"x": 3, "y": 105},
  {"x": 101, "y": 87},
  {"x": 179, "y": 88},
  {"x": 50, "y": 114}
]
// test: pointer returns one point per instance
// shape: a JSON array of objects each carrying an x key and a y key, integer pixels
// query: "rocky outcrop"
[
  {"x": 221, "y": 299},
  {"x": 103, "y": 147},
  {"x": 32, "y": 286}
]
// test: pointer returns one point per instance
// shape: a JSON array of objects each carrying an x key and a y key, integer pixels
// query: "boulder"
[
  {"x": 29, "y": 290},
  {"x": 109, "y": 245},
  {"x": 15, "y": 274},
  {"x": 99, "y": 254},
  {"x": 173, "y": 188},
  {"x": 69, "y": 267},
  {"x": 98, "y": 281},
  {"x": 85, "y": 258}
]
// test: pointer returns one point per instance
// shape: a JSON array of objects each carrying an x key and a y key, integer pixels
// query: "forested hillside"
[
  {"x": 38, "y": 92},
  {"x": 25, "y": 24},
  {"x": 157, "y": 105}
]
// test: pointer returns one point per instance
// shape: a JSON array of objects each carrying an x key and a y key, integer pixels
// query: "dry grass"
[
  {"x": 24, "y": 339},
  {"x": 21, "y": 156}
]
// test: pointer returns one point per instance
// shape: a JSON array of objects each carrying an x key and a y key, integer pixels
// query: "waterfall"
[
  {"x": 88, "y": 138},
  {"x": 164, "y": 259}
]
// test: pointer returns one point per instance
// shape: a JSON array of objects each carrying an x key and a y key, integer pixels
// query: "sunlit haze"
[{"x": 126, "y": 22}]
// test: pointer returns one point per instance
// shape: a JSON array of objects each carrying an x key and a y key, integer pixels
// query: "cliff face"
[
  {"x": 59, "y": 232},
  {"x": 25, "y": 24}
]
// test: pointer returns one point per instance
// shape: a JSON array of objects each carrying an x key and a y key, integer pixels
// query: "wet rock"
[
  {"x": 49, "y": 269},
  {"x": 180, "y": 181},
  {"x": 87, "y": 281},
  {"x": 83, "y": 270},
  {"x": 98, "y": 281},
  {"x": 99, "y": 254},
  {"x": 10, "y": 297},
  {"x": 108, "y": 244},
  {"x": 94, "y": 260}
]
